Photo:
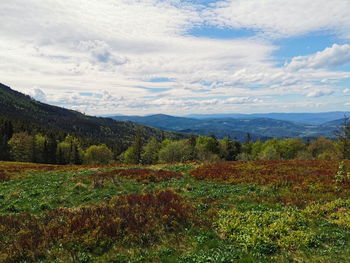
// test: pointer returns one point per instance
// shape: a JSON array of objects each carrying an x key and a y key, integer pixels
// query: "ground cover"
[{"x": 261, "y": 211}]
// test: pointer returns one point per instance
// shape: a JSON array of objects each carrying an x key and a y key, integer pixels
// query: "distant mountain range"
[
  {"x": 306, "y": 118},
  {"x": 27, "y": 111},
  {"x": 257, "y": 127},
  {"x": 119, "y": 130}
]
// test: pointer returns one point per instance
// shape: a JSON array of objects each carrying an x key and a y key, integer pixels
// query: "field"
[{"x": 260, "y": 211}]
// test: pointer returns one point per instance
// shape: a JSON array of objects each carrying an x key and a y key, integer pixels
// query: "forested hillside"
[{"x": 20, "y": 113}]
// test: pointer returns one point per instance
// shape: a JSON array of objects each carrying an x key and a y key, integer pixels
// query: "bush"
[
  {"x": 266, "y": 231},
  {"x": 337, "y": 212},
  {"x": 177, "y": 151},
  {"x": 98, "y": 155},
  {"x": 137, "y": 218},
  {"x": 4, "y": 176}
]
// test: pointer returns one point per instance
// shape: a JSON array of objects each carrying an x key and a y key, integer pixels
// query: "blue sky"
[{"x": 179, "y": 56}]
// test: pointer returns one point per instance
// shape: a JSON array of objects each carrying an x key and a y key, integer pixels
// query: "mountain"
[
  {"x": 234, "y": 127},
  {"x": 22, "y": 108},
  {"x": 306, "y": 118},
  {"x": 162, "y": 121}
]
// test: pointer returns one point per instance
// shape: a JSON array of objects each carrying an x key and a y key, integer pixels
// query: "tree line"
[{"x": 56, "y": 148}]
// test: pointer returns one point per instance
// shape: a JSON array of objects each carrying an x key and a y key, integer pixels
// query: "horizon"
[
  {"x": 221, "y": 113},
  {"x": 179, "y": 57}
]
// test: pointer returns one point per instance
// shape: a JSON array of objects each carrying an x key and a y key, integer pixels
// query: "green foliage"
[
  {"x": 343, "y": 135},
  {"x": 266, "y": 231},
  {"x": 336, "y": 212},
  {"x": 290, "y": 148},
  {"x": 130, "y": 156},
  {"x": 150, "y": 152},
  {"x": 229, "y": 150},
  {"x": 21, "y": 145},
  {"x": 342, "y": 174},
  {"x": 323, "y": 148},
  {"x": 177, "y": 151},
  {"x": 287, "y": 149},
  {"x": 40, "y": 148},
  {"x": 100, "y": 154},
  {"x": 69, "y": 151}
]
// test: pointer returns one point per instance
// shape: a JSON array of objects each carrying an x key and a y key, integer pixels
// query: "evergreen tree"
[
  {"x": 343, "y": 135},
  {"x": 137, "y": 145}
]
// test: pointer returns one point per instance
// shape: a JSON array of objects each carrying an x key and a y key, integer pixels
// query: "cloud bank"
[{"x": 104, "y": 57}]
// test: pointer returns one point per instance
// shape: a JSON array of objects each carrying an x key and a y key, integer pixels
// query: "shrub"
[
  {"x": 138, "y": 174},
  {"x": 98, "y": 154},
  {"x": 177, "y": 151},
  {"x": 342, "y": 175},
  {"x": 266, "y": 231},
  {"x": 4, "y": 176},
  {"x": 137, "y": 218},
  {"x": 336, "y": 212}
]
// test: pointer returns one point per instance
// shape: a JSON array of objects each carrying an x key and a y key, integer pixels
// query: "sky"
[{"x": 178, "y": 57}]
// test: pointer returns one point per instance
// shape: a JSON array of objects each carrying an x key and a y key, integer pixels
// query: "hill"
[
  {"x": 305, "y": 118},
  {"x": 27, "y": 112},
  {"x": 235, "y": 127}
]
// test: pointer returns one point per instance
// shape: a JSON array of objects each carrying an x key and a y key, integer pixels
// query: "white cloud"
[
  {"x": 334, "y": 56},
  {"x": 112, "y": 48},
  {"x": 280, "y": 18},
  {"x": 319, "y": 93},
  {"x": 38, "y": 94}
]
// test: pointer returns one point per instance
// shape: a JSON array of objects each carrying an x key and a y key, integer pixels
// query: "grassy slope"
[{"x": 211, "y": 190}]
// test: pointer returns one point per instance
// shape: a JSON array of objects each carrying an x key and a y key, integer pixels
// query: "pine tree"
[{"x": 343, "y": 135}]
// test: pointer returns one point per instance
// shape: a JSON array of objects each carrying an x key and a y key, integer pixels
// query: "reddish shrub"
[
  {"x": 137, "y": 174},
  {"x": 4, "y": 176},
  {"x": 141, "y": 218},
  {"x": 303, "y": 181}
]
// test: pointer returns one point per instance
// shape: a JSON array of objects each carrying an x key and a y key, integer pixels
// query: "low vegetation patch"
[
  {"x": 267, "y": 232},
  {"x": 140, "y": 175},
  {"x": 256, "y": 211},
  {"x": 136, "y": 218}
]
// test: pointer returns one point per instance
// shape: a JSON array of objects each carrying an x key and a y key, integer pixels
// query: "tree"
[
  {"x": 150, "y": 152},
  {"x": 177, "y": 151},
  {"x": 323, "y": 148},
  {"x": 134, "y": 152},
  {"x": 209, "y": 144},
  {"x": 256, "y": 149},
  {"x": 269, "y": 153},
  {"x": 343, "y": 135},
  {"x": 130, "y": 156},
  {"x": 229, "y": 150},
  {"x": 69, "y": 151},
  {"x": 100, "y": 154},
  {"x": 289, "y": 148},
  {"x": 21, "y": 147},
  {"x": 6, "y": 132},
  {"x": 271, "y": 150},
  {"x": 39, "y": 151}
]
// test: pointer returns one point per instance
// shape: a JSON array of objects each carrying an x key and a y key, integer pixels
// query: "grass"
[{"x": 224, "y": 212}]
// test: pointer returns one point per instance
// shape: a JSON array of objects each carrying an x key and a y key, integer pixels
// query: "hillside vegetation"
[
  {"x": 260, "y": 211},
  {"x": 20, "y": 113}
]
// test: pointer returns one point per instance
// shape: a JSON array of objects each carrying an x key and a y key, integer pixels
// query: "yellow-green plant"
[
  {"x": 266, "y": 231},
  {"x": 342, "y": 175}
]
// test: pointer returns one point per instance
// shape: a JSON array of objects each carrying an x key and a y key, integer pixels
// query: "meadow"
[{"x": 256, "y": 211}]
